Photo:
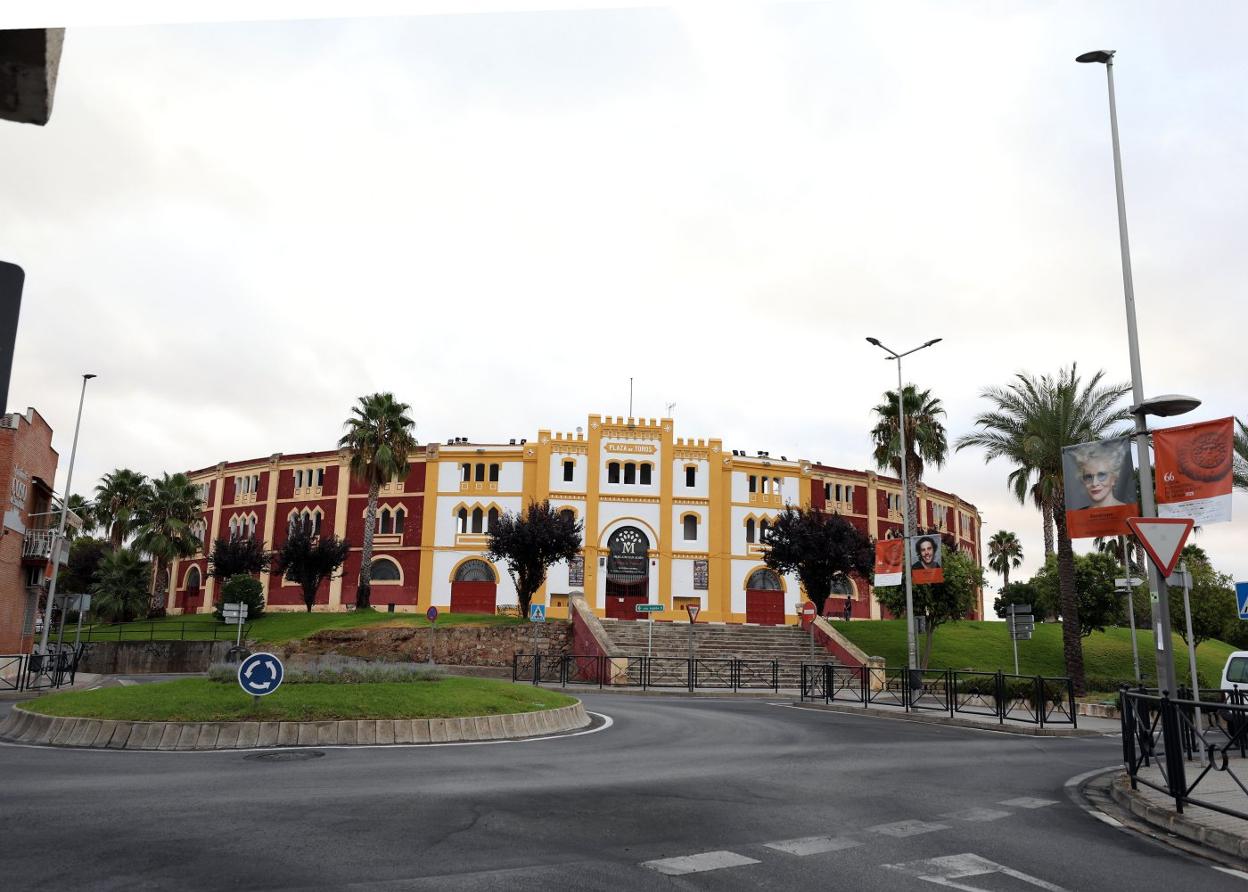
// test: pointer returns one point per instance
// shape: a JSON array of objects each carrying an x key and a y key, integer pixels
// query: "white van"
[{"x": 1235, "y": 672}]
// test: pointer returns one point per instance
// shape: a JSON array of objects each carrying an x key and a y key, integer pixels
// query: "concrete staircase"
[{"x": 788, "y": 645}]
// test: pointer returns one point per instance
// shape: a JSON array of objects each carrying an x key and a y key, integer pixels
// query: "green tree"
[
  {"x": 530, "y": 542},
  {"x": 1031, "y": 421},
  {"x": 1099, "y": 604},
  {"x": 119, "y": 593},
  {"x": 167, "y": 509},
  {"x": 925, "y": 439},
  {"x": 85, "y": 555},
  {"x": 379, "y": 436},
  {"x": 241, "y": 555},
  {"x": 242, "y": 589},
  {"x": 1017, "y": 592},
  {"x": 309, "y": 560},
  {"x": 117, "y": 500},
  {"x": 822, "y": 548},
  {"x": 1240, "y": 470},
  {"x": 1004, "y": 551},
  {"x": 940, "y": 603}
]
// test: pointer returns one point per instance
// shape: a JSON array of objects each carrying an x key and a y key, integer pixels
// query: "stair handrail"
[{"x": 838, "y": 644}]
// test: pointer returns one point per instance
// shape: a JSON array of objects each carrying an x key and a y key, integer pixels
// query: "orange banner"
[
  {"x": 1099, "y": 487},
  {"x": 1194, "y": 470},
  {"x": 889, "y": 554}
]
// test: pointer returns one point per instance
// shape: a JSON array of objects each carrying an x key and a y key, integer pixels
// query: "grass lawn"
[
  {"x": 276, "y": 628},
  {"x": 201, "y": 700},
  {"x": 986, "y": 646}
]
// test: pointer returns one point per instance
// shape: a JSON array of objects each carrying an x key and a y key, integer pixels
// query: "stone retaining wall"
[
  {"x": 22, "y": 726},
  {"x": 453, "y": 645},
  {"x": 142, "y": 657}
]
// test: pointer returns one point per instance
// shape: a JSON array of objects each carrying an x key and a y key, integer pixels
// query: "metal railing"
[
  {"x": 1039, "y": 700},
  {"x": 40, "y": 672},
  {"x": 185, "y": 631},
  {"x": 1191, "y": 750},
  {"x": 647, "y": 672}
]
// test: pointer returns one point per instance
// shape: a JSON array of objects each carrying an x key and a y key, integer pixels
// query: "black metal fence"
[
  {"x": 647, "y": 672},
  {"x": 38, "y": 672},
  {"x": 1039, "y": 700},
  {"x": 166, "y": 631},
  {"x": 1198, "y": 748}
]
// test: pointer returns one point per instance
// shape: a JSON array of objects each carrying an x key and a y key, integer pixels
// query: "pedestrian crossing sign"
[{"x": 537, "y": 613}]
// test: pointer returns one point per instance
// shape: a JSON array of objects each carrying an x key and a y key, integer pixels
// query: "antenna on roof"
[
  {"x": 630, "y": 397},
  {"x": 670, "y": 407}
]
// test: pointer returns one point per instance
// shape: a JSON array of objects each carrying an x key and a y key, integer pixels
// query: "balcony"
[{"x": 37, "y": 546}]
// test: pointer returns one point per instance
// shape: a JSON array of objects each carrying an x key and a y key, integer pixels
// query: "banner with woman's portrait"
[{"x": 1099, "y": 487}]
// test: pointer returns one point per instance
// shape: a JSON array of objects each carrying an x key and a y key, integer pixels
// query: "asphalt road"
[{"x": 702, "y": 787}]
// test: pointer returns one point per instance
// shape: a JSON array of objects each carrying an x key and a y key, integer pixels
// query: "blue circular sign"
[{"x": 260, "y": 674}]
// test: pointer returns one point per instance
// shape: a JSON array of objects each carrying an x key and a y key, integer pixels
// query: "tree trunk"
[
  {"x": 1072, "y": 637},
  {"x": 1005, "y": 572},
  {"x": 1046, "y": 509},
  {"x": 363, "y": 593},
  {"x": 912, "y": 491}
]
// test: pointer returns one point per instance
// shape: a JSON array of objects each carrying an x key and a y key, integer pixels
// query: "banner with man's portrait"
[
  {"x": 1100, "y": 488},
  {"x": 1194, "y": 464},
  {"x": 925, "y": 560}
]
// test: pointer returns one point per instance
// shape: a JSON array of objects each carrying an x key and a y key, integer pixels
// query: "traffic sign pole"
[
  {"x": 432, "y": 615},
  {"x": 692, "y": 610},
  {"x": 1013, "y": 639},
  {"x": 1130, "y": 590},
  {"x": 1160, "y": 565}
]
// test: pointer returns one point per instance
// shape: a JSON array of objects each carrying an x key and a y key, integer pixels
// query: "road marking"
[
  {"x": 977, "y": 815},
  {"x": 902, "y": 829},
  {"x": 813, "y": 845},
  {"x": 1028, "y": 802},
  {"x": 126, "y": 682},
  {"x": 674, "y": 867},
  {"x": 1232, "y": 871},
  {"x": 945, "y": 871}
]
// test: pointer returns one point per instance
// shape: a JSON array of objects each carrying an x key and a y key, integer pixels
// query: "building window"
[
  {"x": 849, "y": 494},
  {"x": 493, "y": 473},
  {"x": 749, "y": 530},
  {"x": 691, "y": 527},
  {"x": 827, "y": 492},
  {"x": 569, "y": 468},
  {"x": 399, "y": 516},
  {"x": 477, "y": 517},
  {"x": 298, "y": 479},
  {"x": 613, "y": 472},
  {"x": 385, "y": 523},
  {"x": 481, "y": 473},
  {"x": 316, "y": 524},
  {"x": 384, "y": 570},
  {"x": 568, "y": 515},
  {"x": 462, "y": 517},
  {"x": 691, "y": 476},
  {"x": 630, "y": 473},
  {"x": 753, "y": 483},
  {"x": 763, "y": 529},
  {"x": 645, "y": 474},
  {"x": 320, "y": 476},
  {"x": 491, "y": 520},
  {"x": 465, "y": 473},
  {"x": 192, "y": 579}
]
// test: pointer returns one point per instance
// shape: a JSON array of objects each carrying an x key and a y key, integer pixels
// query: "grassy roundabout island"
[{"x": 205, "y": 700}]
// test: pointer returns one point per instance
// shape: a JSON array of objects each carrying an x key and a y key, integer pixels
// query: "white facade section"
[
  {"x": 643, "y": 515},
  {"x": 444, "y": 564},
  {"x": 580, "y": 473},
  {"x": 679, "y": 542},
  {"x": 740, "y": 572},
  {"x": 448, "y": 476},
  {"x": 701, "y": 478},
  {"x": 682, "y": 582}
]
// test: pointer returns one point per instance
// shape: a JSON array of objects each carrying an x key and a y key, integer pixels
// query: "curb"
[
  {"x": 1172, "y": 822},
  {"x": 942, "y": 719},
  {"x": 26, "y": 727}
]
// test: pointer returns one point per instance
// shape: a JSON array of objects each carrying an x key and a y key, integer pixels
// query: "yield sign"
[
  {"x": 1162, "y": 538},
  {"x": 693, "y": 609}
]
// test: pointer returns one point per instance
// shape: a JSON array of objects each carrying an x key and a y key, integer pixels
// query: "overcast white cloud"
[{"x": 501, "y": 217}]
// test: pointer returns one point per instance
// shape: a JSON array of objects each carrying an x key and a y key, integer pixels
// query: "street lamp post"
[
  {"x": 911, "y": 650},
  {"x": 1161, "y": 598},
  {"x": 60, "y": 531}
]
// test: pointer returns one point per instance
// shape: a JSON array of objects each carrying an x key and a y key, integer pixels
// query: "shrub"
[
  {"x": 246, "y": 589},
  {"x": 331, "y": 670}
]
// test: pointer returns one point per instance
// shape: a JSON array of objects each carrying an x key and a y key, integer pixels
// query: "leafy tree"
[
  {"x": 117, "y": 501},
  {"x": 309, "y": 560},
  {"x": 85, "y": 511},
  {"x": 1004, "y": 551},
  {"x": 1099, "y": 605},
  {"x": 1215, "y": 612},
  {"x": 239, "y": 555},
  {"x": 925, "y": 438},
  {"x": 167, "y": 509},
  {"x": 1017, "y": 592},
  {"x": 1240, "y": 469},
  {"x": 85, "y": 555},
  {"x": 940, "y": 603},
  {"x": 530, "y": 542},
  {"x": 119, "y": 592},
  {"x": 1031, "y": 421},
  {"x": 822, "y": 548},
  {"x": 379, "y": 436},
  {"x": 241, "y": 589}
]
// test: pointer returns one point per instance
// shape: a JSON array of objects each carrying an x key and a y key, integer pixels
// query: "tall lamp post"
[
  {"x": 60, "y": 531},
  {"x": 911, "y": 650},
  {"x": 1171, "y": 404}
]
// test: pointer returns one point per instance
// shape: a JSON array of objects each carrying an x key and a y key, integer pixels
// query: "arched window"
[
  {"x": 298, "y": 479},
  {"x": 491, "y": 520},
  {"x": 493, "y": 473},
  {"x": 480, "y": 473},
  {"x": 613, "y": 472},
  {"x": 569, "y": 468},
  {"x": 645, "y": 474},
  {"x": 251, "y": 528},
  {"x": 316, "y": 524},
  {"x": 292, "y": 525},
  {"x": 466, "y": 473},
  {"x": 764, "y": 581},
  {"x": 307, "y": 522},
  {"x": 691, "y": 527},
  {"x": 475, "y": 570},
  {"x": 384, "y": 570},
  {"x": 753, "y": 483},
  {"x": 399, "y": 516},
  {"x": 462, "y": 518},
  {"x": 192, "y": 579},
  {"x": 763, "y": 528},
  {"x": 568, "y": 514},
  {"x": 630, "y": 472},
  {"x": 385, "y": 523},
  {"x": 749, "y": 529},
  {"x": 477, "y": 518}
]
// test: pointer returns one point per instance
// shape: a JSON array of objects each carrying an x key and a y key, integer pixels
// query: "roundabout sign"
[{"x": 260, "y": 674}]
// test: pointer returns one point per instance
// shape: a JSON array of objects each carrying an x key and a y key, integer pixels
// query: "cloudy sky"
[{"x": 501, "y": 217}]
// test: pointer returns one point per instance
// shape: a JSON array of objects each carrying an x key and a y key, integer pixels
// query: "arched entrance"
[
  {"x": 628, "y": 572},
  {"x": 764, "y": 598},
  {"x": 474, "y": 587}
]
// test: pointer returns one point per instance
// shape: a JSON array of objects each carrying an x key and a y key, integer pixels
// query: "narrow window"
[
  {"x": 384, "y": 522},
  {"x": 491, "y": 520},
  {"x": 691, "y": 476},
  {"x": 399, "y": 516},
  {"x": 569, "y": 468},
  {"x": 463, "y": 519},
  {"x": 477, "y": 517},
  {"x": 691, "y": 528},
  {"x": 630, "y": 473},
  {"x": 251, "y": 528},
  {"x": 467, "y": 473},
  {"x": 753, "y": 483},
  {"x": 763, "y": 527},
  {"x": 568, "y": 514},
  {"x": 493, "y": 473},
  {"x": 316, "y": 524},
  {"x": 613, "y": 472},
  {"x": 298, "y": 479},
  {"x": 827, "y": 492},
  {"x": 320, "y": 476},
  {"x": 749, "y": 530},
  {"x": 480, "y": 473},
  {"x": 645, "y": 475}
]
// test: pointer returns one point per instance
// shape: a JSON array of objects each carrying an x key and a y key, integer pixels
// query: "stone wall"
[
  {"x": 453, "y": 645},
  {"x": 151, "y": 657}
]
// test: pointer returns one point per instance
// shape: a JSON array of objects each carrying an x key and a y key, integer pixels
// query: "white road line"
[
  {"x": 977, "y": 815},
  {"x": 126, "y": 682},
  {"x": 813, "y": 845},
  {"x": 1080, "y": 778},
  {"x": 1028, "y": 802},
  {"x": 945, "y": 871},
  {"x": 1232, "y": 871},
  {"x": 902, "y": 829},
  {"x": 674, "y": 867}
]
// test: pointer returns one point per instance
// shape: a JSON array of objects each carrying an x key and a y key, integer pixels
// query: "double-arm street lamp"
[{"x": 911, "y": 651}]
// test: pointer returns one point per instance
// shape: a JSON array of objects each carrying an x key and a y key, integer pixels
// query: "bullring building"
[{"x": 669, "y": 520}]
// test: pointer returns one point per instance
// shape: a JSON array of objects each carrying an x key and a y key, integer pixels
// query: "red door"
[
  {"x": 473, "y": 597},
  {"x": 622, "y": 606},
  {"x": 764, "y": 607}
]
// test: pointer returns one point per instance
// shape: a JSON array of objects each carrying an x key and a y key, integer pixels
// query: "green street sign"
[{"x": 647, "y": 608}]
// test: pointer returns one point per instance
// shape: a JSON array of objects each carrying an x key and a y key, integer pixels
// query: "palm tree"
[
  {"x": 925, "y": 439},
  {"x": 117, "y": 502},
  {"x": 120, "y": 587},
  {"x": 379, "y": 436},
  {"x": 1240, "y": 473},
  {"x": 1032, "y": 420},
  {"x": 1004, "y": 551},
  {"x": 166, "y": 511},
  {"x": 86, "y": 513}
]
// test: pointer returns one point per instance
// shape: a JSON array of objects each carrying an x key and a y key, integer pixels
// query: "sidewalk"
[
  {"x": 1225, "y": 833},
  {"x": 83, "y": 681}
]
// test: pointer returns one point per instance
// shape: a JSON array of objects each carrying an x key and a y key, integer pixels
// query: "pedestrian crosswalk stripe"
[
  {"x": 813, "y": 845},
  {"x": 698, "y": 863},
  {"x": 1028, "y": 802}
]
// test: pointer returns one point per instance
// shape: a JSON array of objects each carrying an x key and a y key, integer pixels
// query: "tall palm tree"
[
  {"x": 119, "y": 587},
  {"x": 379, "y": 436},
  {"x": 1240, "y": 472},
  {"x": 1032, "y": 420},
  {"x": 925, "y": 439},
  {"x": 85, "y": 511},
  {"x": 165, "y": 513},
  {"x": 117, "y": 502},
  {"x": 1004, "y": 552}
]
